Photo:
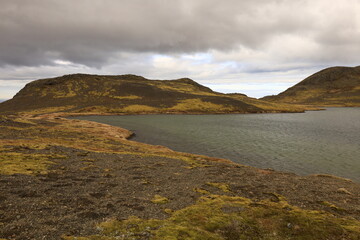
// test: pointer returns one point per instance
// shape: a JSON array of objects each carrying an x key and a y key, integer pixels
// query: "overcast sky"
[{"x": 256, "y": 47}]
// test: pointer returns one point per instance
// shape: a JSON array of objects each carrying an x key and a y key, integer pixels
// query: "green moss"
[
  {"x": 50, "y": 110},
  {"x": 225, "y": 217},
  {"x": 12, "y": 163},
  {"x": 200, "y": 190},
  {"x": 181, "y": 87},
  {"x": 332, "y": 206},
  {"x": 168, "y": 210},
  {"x": 128, "y": 97},
  {"x": 23, "y": 120},
  {"x": 138, "y": 108},
  {"x": 159, "y": 199},
  {"x": 198, "y": 105}
]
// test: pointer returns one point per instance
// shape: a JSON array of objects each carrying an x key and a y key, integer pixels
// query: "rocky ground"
[{"x": 63, "y": 178}]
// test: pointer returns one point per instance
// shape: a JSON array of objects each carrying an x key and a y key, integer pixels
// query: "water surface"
[{"x": 305, "y": 143}]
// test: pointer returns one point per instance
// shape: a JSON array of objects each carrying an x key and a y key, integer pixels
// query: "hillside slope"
[
  {"x": 123, "y": 94},
  {"x": 335, "y": 86}
]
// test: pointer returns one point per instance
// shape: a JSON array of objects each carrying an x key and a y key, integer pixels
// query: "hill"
[
  {"x": 335, "y": 86},
  {"x": 126, "y": 94}
]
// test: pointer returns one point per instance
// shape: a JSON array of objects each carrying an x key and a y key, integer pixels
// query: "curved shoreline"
[
  {"x": 92, "y": 175},
  {"x": 129, "y": 134},
  {"x": 284, "y": 147}
]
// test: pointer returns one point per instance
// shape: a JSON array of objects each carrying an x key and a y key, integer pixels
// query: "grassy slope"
[
  {"x": 223, "y": 200},
  {"x": 80, "y": 93},
  {"x": 336, "y": 86}
]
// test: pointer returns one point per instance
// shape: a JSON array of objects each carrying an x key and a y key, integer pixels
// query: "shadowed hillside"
[
  {"x": 82, "y": 93},
  {"x": 336, "y": 86}
]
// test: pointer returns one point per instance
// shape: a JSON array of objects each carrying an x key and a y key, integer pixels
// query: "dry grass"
[
  {"x": 272, "y": 106},
  {"x": 49, "y": 110},
  {"x": 197, "y": 105},
  {"x": 138, "y": 109},
  {"x": 159, "y": 199},
  {"x": 181, "y": 87},
  {"x": 129, "y": 97},
  {"x": 19, "y": 163}
]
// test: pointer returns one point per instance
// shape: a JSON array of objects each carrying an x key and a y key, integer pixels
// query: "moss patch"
[
  {"x": 12, "y": 163},
  {"x": 50, "y": 109},
  {"x": 225, "y": 217},
  {"x": 222, "y": 186},
  {"x": 129, "y": 97},
  {"x": 200, "y": 190},
  {"x": 159, "y": 199},
  {"x": 138, "y": 108},
  {"x": 198, "y": 105}
]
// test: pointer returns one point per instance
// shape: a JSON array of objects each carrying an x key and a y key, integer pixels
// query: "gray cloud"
[
  {"x": 215, "y": 42},
  {"x": 90, "y": 32}
]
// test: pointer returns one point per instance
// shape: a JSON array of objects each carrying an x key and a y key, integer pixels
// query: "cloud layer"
[{"x": 215, "y": 41}]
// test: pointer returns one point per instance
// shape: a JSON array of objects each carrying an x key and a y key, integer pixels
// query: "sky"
[{"x": 256, "y": 47}]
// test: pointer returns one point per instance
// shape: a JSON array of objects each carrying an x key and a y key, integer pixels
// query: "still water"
[{"x": 325, "y": 142}]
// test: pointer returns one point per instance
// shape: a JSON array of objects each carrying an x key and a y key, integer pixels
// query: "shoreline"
[
  {"x": 91, "y": 175},
  {"x": 75, "y": 114},
  {"x": 151, "y": 143},
  {"x": 130, "y": 134}
]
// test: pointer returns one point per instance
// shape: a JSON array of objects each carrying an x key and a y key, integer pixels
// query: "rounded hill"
[{"x": 335, "y": 86}]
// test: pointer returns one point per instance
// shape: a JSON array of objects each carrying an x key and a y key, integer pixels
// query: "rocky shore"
[{"x": 72, "y": 179}]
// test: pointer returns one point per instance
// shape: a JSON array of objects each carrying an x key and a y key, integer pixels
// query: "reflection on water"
[{"x": 304, "y": 143}]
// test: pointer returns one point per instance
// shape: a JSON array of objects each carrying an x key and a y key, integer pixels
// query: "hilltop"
[
  {"x": 335, "y": 86},
  {"x": 124, "y": 94}
]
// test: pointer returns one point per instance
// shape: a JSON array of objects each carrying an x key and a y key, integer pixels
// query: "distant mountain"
[
  {"x": 335, "y": 86},
  {"x": 124, "y": 94}
]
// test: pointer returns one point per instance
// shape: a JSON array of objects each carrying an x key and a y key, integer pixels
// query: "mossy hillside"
[
  {"x": 336, "y": 86},
  {"x": 128, "y": 94},
  {"x": 275, "y": 107},
  {"x": 198, "y": 105},
  {"x": 184, "y": 106},
  {"x": 225, "y": 217}
]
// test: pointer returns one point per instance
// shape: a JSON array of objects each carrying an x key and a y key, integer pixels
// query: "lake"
[{"x": 326, "y": 142}]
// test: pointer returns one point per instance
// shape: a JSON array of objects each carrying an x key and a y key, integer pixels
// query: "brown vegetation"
[
  {"x": 336, "y": 86},
  {"x": 128, "y": 94}
]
